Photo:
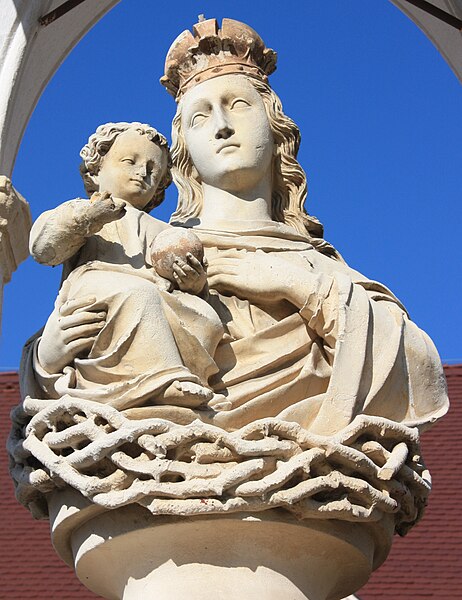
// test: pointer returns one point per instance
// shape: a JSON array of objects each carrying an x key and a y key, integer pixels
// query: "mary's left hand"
[{"x": 257, "y": 276}]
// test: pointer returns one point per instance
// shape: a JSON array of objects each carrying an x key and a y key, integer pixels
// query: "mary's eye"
[
  {"x": 239, "y": 103},
  {"x": 197, "y": 118},
  {"x": 128, "y": 161}
]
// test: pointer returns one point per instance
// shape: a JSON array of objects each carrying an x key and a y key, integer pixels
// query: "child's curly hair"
[{"x": 99, "y": 144}]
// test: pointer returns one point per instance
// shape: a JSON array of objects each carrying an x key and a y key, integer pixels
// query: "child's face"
[{"x": 132, "y": 169}]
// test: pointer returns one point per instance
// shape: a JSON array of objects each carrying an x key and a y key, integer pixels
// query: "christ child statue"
[{"x": 125, "y": 299}]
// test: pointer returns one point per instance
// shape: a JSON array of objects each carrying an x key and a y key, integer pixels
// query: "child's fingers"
[
  {"x": 195, "y": 264},
  {"x": 186, "y": 269},
  {"x": 178, "y": 272}
]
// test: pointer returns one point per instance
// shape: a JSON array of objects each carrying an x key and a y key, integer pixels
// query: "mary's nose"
[{"x": 223, "y": 127}]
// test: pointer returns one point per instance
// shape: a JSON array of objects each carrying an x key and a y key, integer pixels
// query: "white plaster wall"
[
  {"x": 29, "y": 56},
  {"x": 447, "y": 39}
]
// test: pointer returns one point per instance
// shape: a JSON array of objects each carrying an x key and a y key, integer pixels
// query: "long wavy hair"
[
  {"x": 289, "y": 188},
  {"x": 99, "y": 144}
]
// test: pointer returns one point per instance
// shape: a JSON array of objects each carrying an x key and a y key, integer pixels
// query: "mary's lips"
[{"x": 231, "y": 145}]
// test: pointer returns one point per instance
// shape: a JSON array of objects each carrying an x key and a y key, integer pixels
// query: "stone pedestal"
[
  {"x": 312, "y": 526},
  {"x": 128, "y": 553}
]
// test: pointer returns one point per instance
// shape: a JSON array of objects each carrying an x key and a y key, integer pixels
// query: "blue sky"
[{"x": 379, "y": 112}]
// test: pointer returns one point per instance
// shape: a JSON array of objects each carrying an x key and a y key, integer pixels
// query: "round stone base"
[{"x": 129, "y": 554}]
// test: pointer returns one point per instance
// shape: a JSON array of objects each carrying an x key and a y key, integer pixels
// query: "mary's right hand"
[
  {"x": 260, "y": 277},
  {"x": 70, "y": 333}
]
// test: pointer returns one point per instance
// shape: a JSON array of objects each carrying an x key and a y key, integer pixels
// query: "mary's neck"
[{"x": 224, "y": 206}]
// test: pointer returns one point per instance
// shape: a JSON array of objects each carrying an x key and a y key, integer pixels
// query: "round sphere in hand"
[{"x": 174, "y": 243}]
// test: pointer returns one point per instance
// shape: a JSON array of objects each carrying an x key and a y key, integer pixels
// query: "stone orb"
[{"x": 174, "y": 243}]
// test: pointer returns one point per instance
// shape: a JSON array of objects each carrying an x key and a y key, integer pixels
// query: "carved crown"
[{"x": 209, "y": 52}]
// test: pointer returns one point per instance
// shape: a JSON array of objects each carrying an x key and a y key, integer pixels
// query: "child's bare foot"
[
  {"x": 185, "y": 393},
  {"x": 219, "y": 403}
]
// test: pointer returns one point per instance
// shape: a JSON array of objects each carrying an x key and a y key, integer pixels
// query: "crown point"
[{"x": 210, "y": 51}]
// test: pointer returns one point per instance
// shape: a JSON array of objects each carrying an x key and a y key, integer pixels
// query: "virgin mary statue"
[
  {"x": 307, "y": 342},
  {"x": 305, "y": 455}
]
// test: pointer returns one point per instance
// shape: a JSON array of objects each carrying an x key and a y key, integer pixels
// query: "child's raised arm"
[{"x": 59, "y": 233}]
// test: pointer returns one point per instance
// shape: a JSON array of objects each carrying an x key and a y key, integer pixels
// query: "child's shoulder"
[
  {"x": 65, "y": 208},
  {"x": 68, "y": 204},
  {"x": 153, "y": 224}
]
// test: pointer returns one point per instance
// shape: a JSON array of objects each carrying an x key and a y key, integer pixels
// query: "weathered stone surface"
[
  {"x": 369, "y": 468},
  {"x": 15, "y": 224},
  {"x": 171, "y": 245},
  {"x": 30, "y": 54},
  {"x": 269, "y": 382}
]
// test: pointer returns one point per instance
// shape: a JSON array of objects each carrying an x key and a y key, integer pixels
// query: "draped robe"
[
  {"x": 151, "y": 337},
  {"x": 351, "y": 349}
]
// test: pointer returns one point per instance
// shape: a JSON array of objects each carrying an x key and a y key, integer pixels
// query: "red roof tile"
[
  {"x": 426, "y": 564},
  {"x": 29, "y": 567}
]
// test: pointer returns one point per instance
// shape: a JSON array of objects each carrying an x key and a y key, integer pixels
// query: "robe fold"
[{"x": 350, "y": 350}]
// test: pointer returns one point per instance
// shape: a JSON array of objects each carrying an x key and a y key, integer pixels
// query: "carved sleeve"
[
  {"x": 320, "y": 310},
  {"x": 58, "y": 234}
]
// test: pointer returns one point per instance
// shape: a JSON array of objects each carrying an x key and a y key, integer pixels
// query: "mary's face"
[{"x": 227, "y": 133}]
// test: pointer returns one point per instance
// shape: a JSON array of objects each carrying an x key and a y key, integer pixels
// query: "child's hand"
[
  {"x": 102, "y": 209},
  {"x": 191, "y": 276}
]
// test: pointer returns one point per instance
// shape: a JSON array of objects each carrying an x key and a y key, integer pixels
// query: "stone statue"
[
  {"x": 112, "y": 307},
  {"x": 15, "y": 224},
  {"x": 321, "y": 383}
]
